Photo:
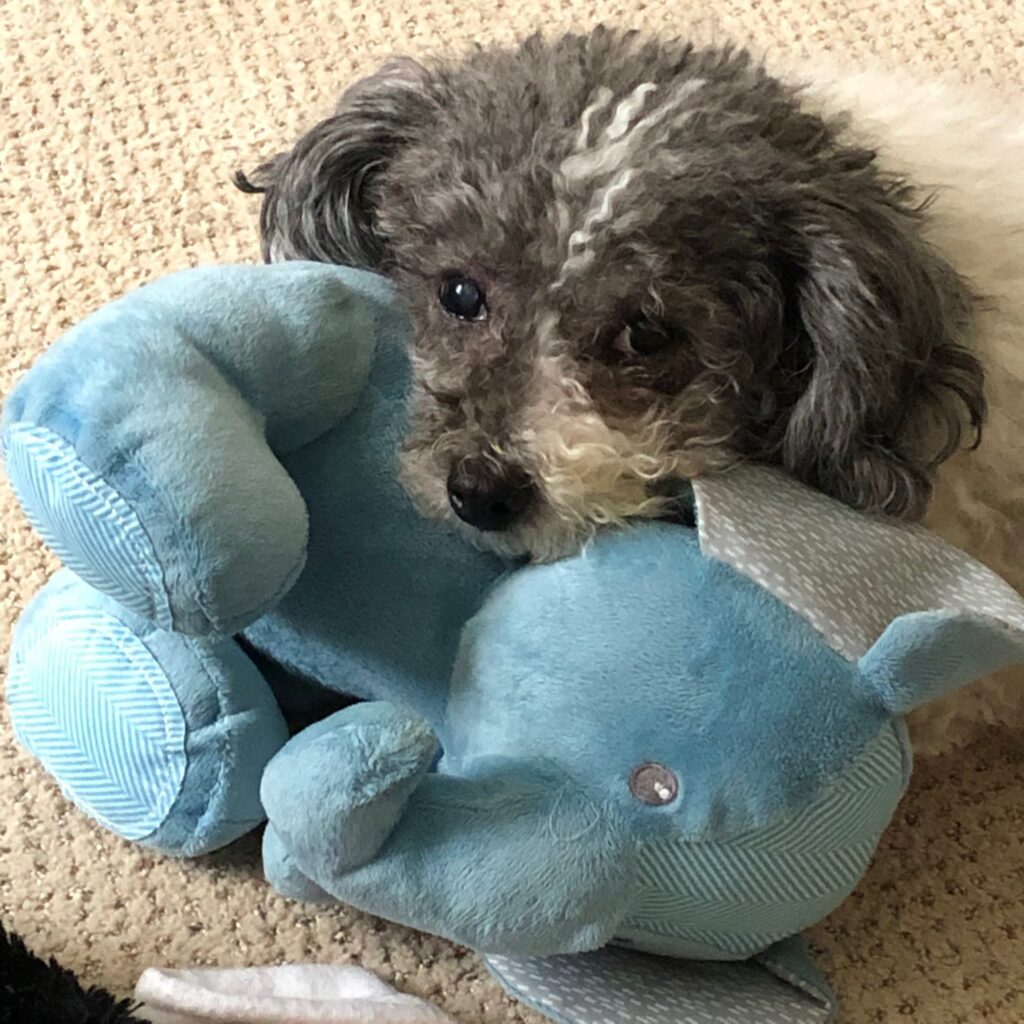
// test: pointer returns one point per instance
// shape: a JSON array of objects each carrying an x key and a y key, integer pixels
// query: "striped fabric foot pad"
[
  {"x": 90, "y": 701},
  {"x": 86, "y": 523}
]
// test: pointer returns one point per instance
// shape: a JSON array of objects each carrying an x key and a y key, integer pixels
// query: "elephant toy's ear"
[
  {"x": 926, "y": 655},
  {"x": 618, "y": 986},
  {"x": 853, "y": 575}
]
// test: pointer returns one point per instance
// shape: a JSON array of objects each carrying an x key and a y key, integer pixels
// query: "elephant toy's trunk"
[{"x": 505, "y": 860}]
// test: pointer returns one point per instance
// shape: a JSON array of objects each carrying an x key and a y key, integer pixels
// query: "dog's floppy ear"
[
  {"x": 875, "y": 319},
  {"x": 318, "y": 201}
]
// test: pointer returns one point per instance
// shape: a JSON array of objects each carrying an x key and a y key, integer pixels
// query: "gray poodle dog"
[{"x": 630, "y": 261}]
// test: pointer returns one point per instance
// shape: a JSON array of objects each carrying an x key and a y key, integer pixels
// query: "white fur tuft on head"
[{"x": 604, "y": 168}]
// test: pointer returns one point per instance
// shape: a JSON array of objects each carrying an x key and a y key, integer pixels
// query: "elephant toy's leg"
[{"x": 161, "y": 738}]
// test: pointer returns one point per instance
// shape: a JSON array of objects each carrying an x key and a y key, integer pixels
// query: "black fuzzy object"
[{"x": 36, "y": 991}]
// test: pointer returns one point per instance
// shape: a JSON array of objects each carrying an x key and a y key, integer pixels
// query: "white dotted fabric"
[
  {"x": 849, "y": 574},
  {"x": 617, "y": 986}
]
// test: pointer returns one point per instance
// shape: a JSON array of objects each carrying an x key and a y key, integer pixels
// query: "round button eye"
[{"x": 652, "y": 783}]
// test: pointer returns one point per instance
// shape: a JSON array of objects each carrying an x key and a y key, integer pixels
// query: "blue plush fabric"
[
  {"x": 214, "y": 455},
  {"x": 177, "y": 403},
  {"x": 385, "y": 593},
  {"x": 656, "y": 654}
]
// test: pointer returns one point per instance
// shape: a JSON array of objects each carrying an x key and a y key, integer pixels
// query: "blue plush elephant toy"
[{"x": 683, "y": 742}]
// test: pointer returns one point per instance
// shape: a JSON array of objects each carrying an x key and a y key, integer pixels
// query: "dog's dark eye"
[
  {"x": 643, "y": 336},
  {"x": 463, "y": 297}
]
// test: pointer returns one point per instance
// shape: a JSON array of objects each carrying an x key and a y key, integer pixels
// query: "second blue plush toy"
[{"x": 683, "y": 742}]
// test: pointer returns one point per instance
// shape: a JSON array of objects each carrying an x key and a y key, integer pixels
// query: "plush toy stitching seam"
[{"x": 229, "y": 747}]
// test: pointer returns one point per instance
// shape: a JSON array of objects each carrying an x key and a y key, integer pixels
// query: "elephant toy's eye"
[{"x": 652, "y": 783}]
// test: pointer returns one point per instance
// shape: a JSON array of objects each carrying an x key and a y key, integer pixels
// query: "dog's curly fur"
[
  {"x": 813, "y": 275},
  {"x": 596, "y": 180}
]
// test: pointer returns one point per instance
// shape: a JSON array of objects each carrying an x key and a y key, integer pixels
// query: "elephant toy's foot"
[{"x": 161, "y": 738}]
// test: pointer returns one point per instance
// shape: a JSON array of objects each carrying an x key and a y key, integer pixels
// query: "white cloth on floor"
[{"x": 292, "y": 994}]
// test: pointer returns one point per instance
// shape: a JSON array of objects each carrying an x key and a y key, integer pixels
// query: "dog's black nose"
[{"x": 488, "y": 494}]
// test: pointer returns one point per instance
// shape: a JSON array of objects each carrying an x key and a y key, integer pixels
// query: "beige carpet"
[{"x": 122, "y": 121}]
